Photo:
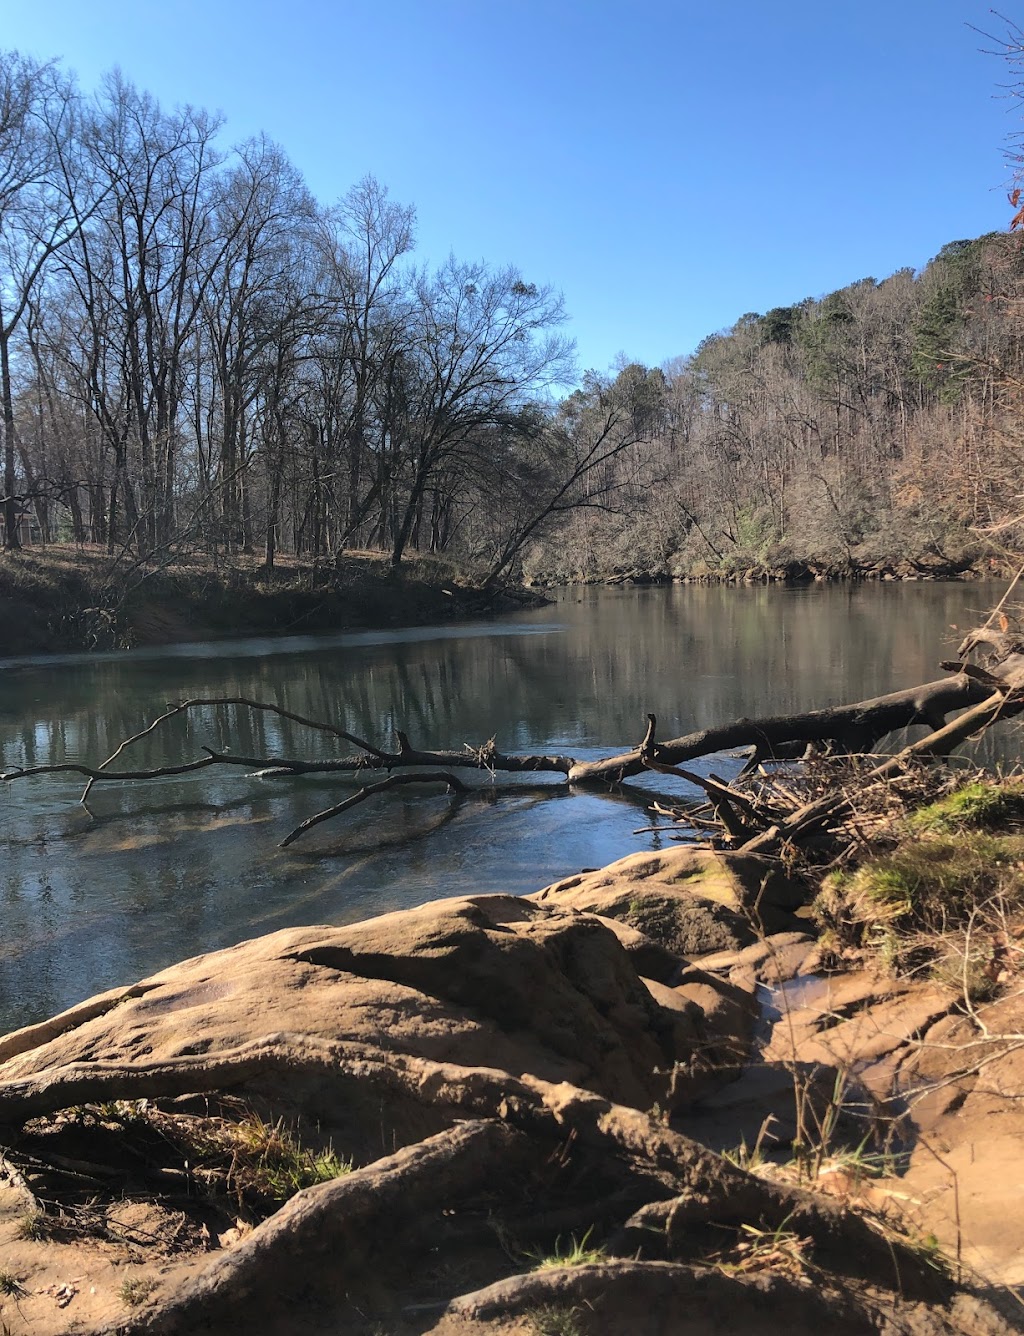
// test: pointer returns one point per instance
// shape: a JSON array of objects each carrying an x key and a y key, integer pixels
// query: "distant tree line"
[{"x": 195, "y": 354}]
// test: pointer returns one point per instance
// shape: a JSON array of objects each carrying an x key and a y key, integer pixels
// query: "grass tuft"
[
  {"x": 928, "y": 883},
  {"x": 10, "y": 1284},
  {"x": 271, "y": 1161},
  {"x": 576, "y": 1252},
  {"x": 33, "y": 1227},
  {"x": 554, "y": 1320},
  {"x": 136, "y": 1290},
  {"x": 975, "y": 806}
]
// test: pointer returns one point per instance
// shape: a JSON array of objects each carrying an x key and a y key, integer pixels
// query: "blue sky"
[{"x": 668, "y": 166}]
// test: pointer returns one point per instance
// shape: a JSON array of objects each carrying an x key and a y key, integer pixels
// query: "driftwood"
[{"x": 988, "y": 693}]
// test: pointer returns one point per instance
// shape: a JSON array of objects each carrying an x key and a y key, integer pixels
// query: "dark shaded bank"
[
  {"x": 790, "y": 572},
  {"x": 58, "y": 600}
]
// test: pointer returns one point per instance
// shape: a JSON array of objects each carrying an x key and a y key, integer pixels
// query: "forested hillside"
[
  {"x": 198, "y": 356},
  {"x": 878, "y": 425}
]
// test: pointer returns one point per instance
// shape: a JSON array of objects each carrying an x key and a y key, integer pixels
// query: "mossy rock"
[{"x": 690, "y": 901}]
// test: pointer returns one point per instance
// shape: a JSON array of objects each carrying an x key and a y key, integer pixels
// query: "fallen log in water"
[{"x": 987, "y": 693}]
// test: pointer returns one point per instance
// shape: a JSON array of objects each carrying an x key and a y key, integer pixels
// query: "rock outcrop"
[
  {"x": 494, "y": 981},
  {"x": 485, "y": 1087},
  {"x": 690, "y": 901}
]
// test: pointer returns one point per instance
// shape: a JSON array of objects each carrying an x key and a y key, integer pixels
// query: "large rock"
[
  {"x": 414, "y": 1043},
  {"x": 689, "y": 901},
  {"x": 485, "y": 981}
]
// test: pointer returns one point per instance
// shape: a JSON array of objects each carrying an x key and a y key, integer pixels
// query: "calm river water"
[{"x": 163, "y": 870}]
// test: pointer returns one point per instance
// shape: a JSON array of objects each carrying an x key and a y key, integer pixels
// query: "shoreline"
[
  {"x": 59, "y": 600},
  {"x": 67, "y": 600},
  {"x": 630, "y": 1026},
  {"x": 794, "y": 574}
]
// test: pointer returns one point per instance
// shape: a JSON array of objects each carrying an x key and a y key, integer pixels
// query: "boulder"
[
  {"x": 485, "y": 981},
  {"x": 483, "y": 1066},
  {"x": 649, "y": 958},
  {"x": 729, "y": 1013},
  {"x": 690, "y": 901}
]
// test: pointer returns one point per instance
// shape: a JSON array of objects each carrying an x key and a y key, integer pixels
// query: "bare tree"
[{"x": 38, "y": 109}]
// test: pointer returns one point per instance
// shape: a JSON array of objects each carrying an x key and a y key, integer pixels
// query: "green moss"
[
  {"x": 936, "y": 881},
  {"x": 975, "y": 806}
]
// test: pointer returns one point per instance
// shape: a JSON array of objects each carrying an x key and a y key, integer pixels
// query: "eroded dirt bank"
[
  {"x": 495, "y": 1114},
  {"x": 57, "y": 600}
]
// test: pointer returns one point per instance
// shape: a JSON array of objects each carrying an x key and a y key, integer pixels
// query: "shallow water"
[{"x": 158, "y": 871}]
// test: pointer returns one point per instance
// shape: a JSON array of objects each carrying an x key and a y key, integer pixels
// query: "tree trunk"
[{"x": 11, "y": 538}]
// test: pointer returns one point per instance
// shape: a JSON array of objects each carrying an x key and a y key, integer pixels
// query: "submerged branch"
[
  {"x": 393, "y": 781},
  {"x": 204, "y": 702}
]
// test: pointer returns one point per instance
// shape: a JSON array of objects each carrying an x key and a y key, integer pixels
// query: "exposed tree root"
[
  {"x": 329, "y": 1229},
  {"x": 624, "y": 1296},
  {"x": 686, "y": 1189}
]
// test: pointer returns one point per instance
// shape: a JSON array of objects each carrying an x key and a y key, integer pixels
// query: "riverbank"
[
  {"x": 754, "y": 571},
  {"x": 508, "y": 1115},
  {"x": 57, "y": 600},
  {"x": 62, "y": 599}
]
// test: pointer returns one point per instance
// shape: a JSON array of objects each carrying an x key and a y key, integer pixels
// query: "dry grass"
[
  {"x": 555, "y": 1320},
  {"x": 248, "y": 1158},
  {"x": 780, "y": 1251},
  {"x": 10, "y": 1284},
  {"x": 136, "y": 1290}
]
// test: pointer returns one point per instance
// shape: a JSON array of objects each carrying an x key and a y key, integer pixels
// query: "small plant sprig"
[
  {"x": 576, "y": 1252},
  {"x": 780, "y": 1250},
  {"x": 10, "y": 1284},
  {"x": 33, "y": 1227},
  {"x": 136, "y": 1290}
]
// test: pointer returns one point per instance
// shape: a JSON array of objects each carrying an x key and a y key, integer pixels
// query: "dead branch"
[
  {"x": 393, "y": 781},
  {"x": 198, "y": 702},
  {"x": 815, "y": 816}
]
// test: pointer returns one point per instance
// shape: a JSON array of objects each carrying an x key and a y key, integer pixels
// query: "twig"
[{"x": 1002, "y": 602}]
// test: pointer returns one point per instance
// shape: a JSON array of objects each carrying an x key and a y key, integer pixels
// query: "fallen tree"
[{"x": 987, "y": 694}]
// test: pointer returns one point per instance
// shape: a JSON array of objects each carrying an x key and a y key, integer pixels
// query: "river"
[{"x": 158, "y": 871}]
